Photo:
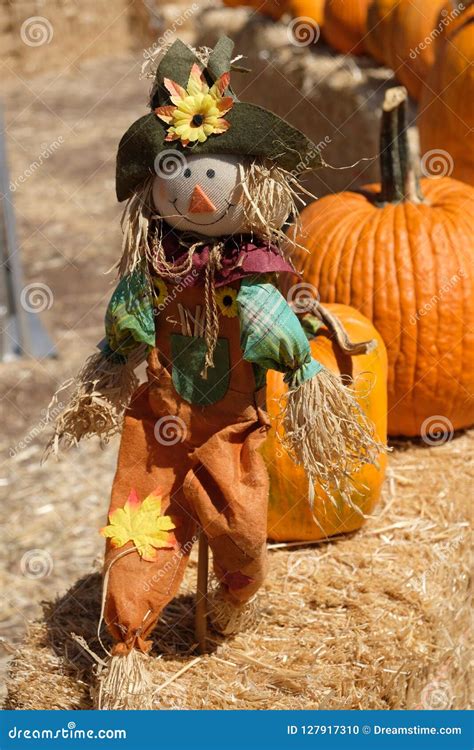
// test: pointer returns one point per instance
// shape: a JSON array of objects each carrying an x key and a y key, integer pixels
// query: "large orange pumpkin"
[
  {"x": 446, "y": 119},
  {"x": 345, "y": 25},
  {"x": 313, "y": 9},
  {"x": 271, "y": 8},
  {"x": 403, "y": 255},
  {"x": 401, "y": 34},
  {"x": 378, "y": 18},
  {"x": 289, "y": 515},
  {"x": 307, "y": 9}
]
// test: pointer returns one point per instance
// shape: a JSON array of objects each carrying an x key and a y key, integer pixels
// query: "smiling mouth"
[{"x": 206, "y": 223}]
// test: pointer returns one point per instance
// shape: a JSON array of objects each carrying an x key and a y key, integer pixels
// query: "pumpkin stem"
[
  {"x": 398, "y": 176},
  {"x": 334, "y": 325}
]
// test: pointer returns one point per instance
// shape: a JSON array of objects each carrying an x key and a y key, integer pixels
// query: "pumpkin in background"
[
  {"x": 378, "y": 28},
  {"x": 271, "y": 8},
  {"x": 402, "y": 253},
  {"x": 313, "y": 9},
  {"x": 289, "y": 514},
  {"x": 345, "y": 25},
  {"x": 400, "y": 35},
  {"x": 446, "y": 119}
]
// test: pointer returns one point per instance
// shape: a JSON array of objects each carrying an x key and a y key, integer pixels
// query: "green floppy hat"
[{"x": 253, "y": 130}]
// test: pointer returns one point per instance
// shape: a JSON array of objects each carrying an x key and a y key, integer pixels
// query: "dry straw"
[
  {"x": 100, "y": 394},
  {"x": 124, "y": 683},
  {"x": 327, "y": 432},
  {"x": 379, "y": 619}
]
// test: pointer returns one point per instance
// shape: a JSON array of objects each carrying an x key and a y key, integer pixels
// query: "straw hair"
[
  {"x": 270, "y": 195},
  {"x": 102, "y": 392},
  {"x": 124, "y": 684},
  {"x": 326, "y": 431},
  {"x": 135, "y": 223}
]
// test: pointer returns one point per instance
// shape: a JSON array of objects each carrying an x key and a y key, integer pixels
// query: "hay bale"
[
  {"x": 335, "y": 99},
  {"x": 375, "y": 620},
  {"x": 42, "y": 35}
]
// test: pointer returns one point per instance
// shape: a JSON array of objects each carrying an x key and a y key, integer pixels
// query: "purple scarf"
[{"x": 241, "y": 257}]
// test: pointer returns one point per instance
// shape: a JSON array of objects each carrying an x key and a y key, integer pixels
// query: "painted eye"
[
  {"x": 187, "y": 172},
  {"x": 210, "y": 173}
]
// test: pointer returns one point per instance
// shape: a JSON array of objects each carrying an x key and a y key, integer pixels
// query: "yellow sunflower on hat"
[{"x": 196, "y": 112}]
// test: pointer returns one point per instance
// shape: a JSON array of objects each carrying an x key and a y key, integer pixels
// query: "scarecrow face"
[{"x": 204, "y": 196}]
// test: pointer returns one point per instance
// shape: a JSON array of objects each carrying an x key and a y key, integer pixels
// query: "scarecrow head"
[
  {"x": 205, "y": 162},
  {"x": 203, "y": 195}
]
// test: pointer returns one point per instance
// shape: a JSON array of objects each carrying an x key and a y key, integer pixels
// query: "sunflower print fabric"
[
  {"x": 160, "y": 291},
  {"x": 226, "y": 298}
]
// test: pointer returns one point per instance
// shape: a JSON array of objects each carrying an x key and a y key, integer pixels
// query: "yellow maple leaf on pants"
[{"x": 142, "y": 524}]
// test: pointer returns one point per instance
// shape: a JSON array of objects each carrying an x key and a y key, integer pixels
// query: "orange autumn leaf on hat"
[
  {"x": 198, "y": 109},
  {"x": 141, "y": 523}
]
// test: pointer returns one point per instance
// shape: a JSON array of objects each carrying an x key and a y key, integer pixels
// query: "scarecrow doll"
[{"x": 209, "y": 182}]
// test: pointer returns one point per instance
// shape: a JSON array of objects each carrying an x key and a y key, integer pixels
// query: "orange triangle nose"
[{"x": 200, "y": 203}]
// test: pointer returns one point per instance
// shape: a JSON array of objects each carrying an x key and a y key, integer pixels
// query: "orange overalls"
[{"x": 204, "y": 460}]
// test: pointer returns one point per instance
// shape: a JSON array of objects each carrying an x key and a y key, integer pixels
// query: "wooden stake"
[{"x": 200, "y": 622}]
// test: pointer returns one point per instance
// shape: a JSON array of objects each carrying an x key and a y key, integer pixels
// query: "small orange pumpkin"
[
  {"x": 401, "y": 34},
  {"x": 402, "y": 254},
  {"x": 289, "y": 515},
  {"x": 446, "y": 119},
  {"x": 345, "y": 25}
]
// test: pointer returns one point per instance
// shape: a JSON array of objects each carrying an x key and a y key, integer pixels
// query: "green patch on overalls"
[{"x": 188, "y": 355}]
